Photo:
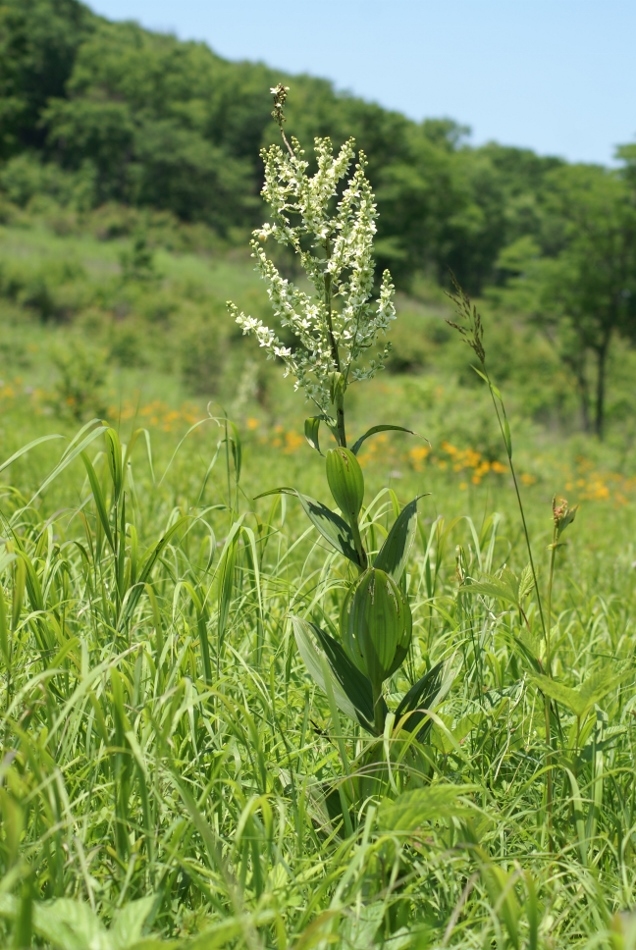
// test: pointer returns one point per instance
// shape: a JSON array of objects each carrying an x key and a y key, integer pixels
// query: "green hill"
[
  {"x": 125, "y": 153},
  {"x": 92, "y": 111}
]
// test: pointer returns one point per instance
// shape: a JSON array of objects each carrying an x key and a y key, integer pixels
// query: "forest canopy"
[{"x": 115, "y": 112}]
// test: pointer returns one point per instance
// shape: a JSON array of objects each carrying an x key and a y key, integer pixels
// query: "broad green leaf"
[
  {"x": 346, "y": 482},
  {"x": 312, "y": 427},
  {"x": 419, "y": 698},
  {"x": 450, "y": 733},
  {"x": 528, "y": 647},
  {"x": 360, "y": 927},
  {"x": 393, "y": 555},
  {"x": 566, "y": 695},
  {"x": 594, "y": 745},
  {"x": 526, "y": 583},
  {"x": 379, "y": 625},
  {"x": 128, "y": 923},
  {"x": 491, "y": 588},
  {"x": 504, "y": 588},
  {"x": 597, "y": 686},
  {"x": 351, "y": 688},
  {"x": 410, "y": 810},
  {"x": 71, "y": 925},
  {"x": 581, "y": 699},
  {"x": 331, "y": 526},
  {"x": 355, "y": 448}
]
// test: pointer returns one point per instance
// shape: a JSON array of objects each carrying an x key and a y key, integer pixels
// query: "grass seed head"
[{"x": 471, "y": 328}]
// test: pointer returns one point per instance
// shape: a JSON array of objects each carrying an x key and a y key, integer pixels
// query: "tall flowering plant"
[{"x": 328, "y": 219}]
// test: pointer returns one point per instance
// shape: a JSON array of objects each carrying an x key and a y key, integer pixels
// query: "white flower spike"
[{"x": 329, "y": 220}]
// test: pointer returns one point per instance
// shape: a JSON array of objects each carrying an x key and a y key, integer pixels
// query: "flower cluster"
[{"x": 329, "y": 220}]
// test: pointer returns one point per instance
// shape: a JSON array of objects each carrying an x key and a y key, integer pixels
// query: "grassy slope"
[{"x": 142, "y": 773}]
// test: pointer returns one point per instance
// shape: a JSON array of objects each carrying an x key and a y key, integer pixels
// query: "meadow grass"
[
  {"x": 166, "y": 756},
  {"x": 168, "y": 766}
]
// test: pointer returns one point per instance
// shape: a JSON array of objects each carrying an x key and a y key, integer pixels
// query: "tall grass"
[{"x": 168, "y": 765}]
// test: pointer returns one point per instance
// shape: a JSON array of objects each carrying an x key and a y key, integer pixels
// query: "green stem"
[
  {"x": 341, "y": 432},
  {"x": 546, "y": 632},
  {"x": 228, "y": 474},
  {"x": 378, "y": 712},
  {"x": 548, "y": 648},
  {"x": 519, "y": 501},
  {"x": 548, "y": 739},
  {"x": 357, "y": 540},
  {"x": 576, "y": 749}
]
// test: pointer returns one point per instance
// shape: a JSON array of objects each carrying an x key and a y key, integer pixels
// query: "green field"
[
  {"x": 170, "y": 768},
  {"x": 274, "y": 675}
]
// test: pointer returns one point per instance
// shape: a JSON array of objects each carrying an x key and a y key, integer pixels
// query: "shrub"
[{"x": 79, "y": 390}]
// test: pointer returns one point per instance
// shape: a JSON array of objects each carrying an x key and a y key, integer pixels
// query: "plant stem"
[
  {"x": 341, "y": 432},
  {"x": 548, "y": 648},
  {"x": 505, "y": 434},
  {"x": 378, "y": 714},
  {"x": 357, "y": 540},
  {"x": 518, "y": 494},
  {"x": 227, "y": 473},
  {"x": 548, "y": 739}
]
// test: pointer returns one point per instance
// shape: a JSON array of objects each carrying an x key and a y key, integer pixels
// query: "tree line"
[{"x": 93, "y": 111}]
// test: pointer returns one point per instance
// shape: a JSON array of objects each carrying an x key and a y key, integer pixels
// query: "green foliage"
[
  {"x": 211, "y": 814},
  {"x": 38, "y": 44},
  {"x": 463, "y": 774},
  {"x": 377, "y": 626},
  {"x": 138, "y": 263},
  {"x": 111, "y": 112},
  {"x": 346, "y": 482},
  {"x": 79, "y": 390},
  {"x": 203, "y": 355},
  {"x": 578, "y": 280}
]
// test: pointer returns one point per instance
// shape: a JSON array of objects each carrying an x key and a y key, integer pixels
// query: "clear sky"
[{"x": 558, "y": 76}]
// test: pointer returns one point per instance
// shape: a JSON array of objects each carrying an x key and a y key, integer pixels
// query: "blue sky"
[{"x": 558, "y": 76}]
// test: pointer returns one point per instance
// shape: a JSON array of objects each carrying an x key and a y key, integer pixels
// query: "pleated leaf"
[
  {"x": 419, "y": 698},
  {"x": 410, "y": 810},
  {"x": 394, "y": 553},
  {"x": 331, "y": 526},
  {"x": 351, "y": 688},
  {"x": 355, "y": 448}
]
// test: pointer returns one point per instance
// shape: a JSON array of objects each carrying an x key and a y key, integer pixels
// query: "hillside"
[
  {"x": 117, "y": 132},
  {"x": 93, "y": 112}
]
